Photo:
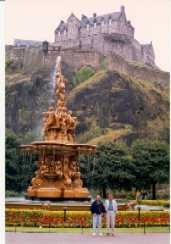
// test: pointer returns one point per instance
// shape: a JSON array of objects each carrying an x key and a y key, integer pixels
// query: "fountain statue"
[{"x": 58, "y": 173}]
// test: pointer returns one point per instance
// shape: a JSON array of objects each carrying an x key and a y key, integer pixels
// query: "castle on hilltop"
[{"x": 107, "y": 34}]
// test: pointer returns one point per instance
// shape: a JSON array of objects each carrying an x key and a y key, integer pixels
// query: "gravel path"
[{"x": 59, "y": 238}]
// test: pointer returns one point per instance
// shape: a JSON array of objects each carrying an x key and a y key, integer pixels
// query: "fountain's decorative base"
[
  {"x": 58, "y": 175},
  {"x": 53, "y": 193}
]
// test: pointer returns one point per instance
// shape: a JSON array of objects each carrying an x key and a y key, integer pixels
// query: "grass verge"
[{"x": 85, "y": 230}]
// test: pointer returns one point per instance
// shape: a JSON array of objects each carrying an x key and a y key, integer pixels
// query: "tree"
[
  {"x": 152, "y": 164},
  {"x": 112, "y": 168},
  {"x": 19, "y": 168},
  {"x": 87, "y": 169},
  {"x": 12, "y": 169}
]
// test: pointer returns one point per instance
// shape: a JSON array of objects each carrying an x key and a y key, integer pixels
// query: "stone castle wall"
[{"x": 32, "y": 59}]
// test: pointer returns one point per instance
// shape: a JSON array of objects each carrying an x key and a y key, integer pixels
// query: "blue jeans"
[{"x": 97, "y": 222}]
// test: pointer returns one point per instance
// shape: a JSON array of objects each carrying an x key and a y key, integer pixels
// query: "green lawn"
[{"x": 86, "y": 230}]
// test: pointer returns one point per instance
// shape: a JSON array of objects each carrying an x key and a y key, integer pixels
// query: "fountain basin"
[
  {"x": 53, "y": 205},
  {"x": 53, "y": 146}
]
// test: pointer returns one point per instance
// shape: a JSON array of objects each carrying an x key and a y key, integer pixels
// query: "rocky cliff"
[{"x": 112, "y": 98}]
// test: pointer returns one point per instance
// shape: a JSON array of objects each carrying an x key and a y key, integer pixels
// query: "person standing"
[
  {"x": 97, "y": 209},
  {"x": 111, "y": 209}
]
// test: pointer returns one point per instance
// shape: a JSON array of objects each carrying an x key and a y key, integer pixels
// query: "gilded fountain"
[{"x": 58, "y": 171}]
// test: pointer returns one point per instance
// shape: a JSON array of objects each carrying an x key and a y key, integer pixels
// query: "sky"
[{"x": 37, "y": 20}]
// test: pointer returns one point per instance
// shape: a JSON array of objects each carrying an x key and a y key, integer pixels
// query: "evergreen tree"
[
  {"x": 19, "y": 167},
  {"x": 111, "y": 168},
  {"x": 12, "y": 160},
  {"x": 152, "y": 164}
]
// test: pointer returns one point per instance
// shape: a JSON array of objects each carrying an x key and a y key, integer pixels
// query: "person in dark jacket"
[{"x": 97, "y": 209}]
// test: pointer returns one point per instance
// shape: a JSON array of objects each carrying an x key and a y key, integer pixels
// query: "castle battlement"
[{"x": 105, "y": 33}]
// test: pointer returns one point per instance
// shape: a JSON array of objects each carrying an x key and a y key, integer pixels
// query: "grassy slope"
[
  {"x": 87, "y": 83},
  {"x": 110, "y": 135},
  {"x": 13, "y": 79},
  {"x": 148, "y": 89}
]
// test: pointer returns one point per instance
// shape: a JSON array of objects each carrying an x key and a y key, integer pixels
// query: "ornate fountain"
[{"x": 58, "y": 172}]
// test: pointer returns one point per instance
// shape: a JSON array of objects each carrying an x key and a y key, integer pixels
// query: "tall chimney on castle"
[
  {"x": 122, "y": 8},
  {"x": 94, "y": 15}
]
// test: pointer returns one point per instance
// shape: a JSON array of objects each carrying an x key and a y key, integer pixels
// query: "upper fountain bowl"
[{"x": 53, "y": 146}]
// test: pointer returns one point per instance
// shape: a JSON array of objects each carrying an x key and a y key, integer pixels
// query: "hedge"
[
  {"x": 164, "y": 203},
  {"x": 15, "y": 217}
]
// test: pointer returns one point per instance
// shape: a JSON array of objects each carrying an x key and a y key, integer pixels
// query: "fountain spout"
[
  {"x": 58, "y": 64},
  {"x": 60, "y": 86}
]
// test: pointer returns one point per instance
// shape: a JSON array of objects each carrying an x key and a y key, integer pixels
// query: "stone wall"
[
  {"x": 27, "y": 43},
  {"x": 148, "y": 53},
  {"x": 137, "y": 71},
  {"x": 130, "y": 49},
  {"x": 32, "y": 59},
  {"x": 15, "y": 53}
]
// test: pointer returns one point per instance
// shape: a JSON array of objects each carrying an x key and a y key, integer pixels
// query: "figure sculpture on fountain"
[{"x": 59, "y": 125}]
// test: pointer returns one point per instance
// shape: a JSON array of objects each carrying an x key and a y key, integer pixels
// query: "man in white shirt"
[{"x": 111, "y": 209}]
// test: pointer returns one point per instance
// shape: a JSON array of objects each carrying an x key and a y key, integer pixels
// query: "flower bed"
[{"x": 15, "y": 217}]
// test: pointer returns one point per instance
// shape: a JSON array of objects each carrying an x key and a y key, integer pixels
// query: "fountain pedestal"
[{"x": 58, "y": 174}]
